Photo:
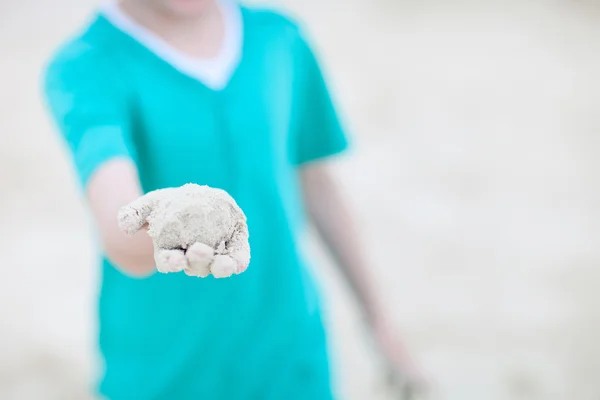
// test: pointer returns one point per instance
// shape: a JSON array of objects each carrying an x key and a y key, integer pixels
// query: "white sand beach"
[{"x": 475, "y": 171}]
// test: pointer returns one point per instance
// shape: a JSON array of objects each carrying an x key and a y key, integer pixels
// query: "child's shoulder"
[
  {"x": 86, "y": 48},
  {"x": 271, "y": 18},
  {"x": 267, "y": 16}
]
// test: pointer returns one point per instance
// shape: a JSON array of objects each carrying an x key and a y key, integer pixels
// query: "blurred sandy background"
[{"x": 476, "y": 173}]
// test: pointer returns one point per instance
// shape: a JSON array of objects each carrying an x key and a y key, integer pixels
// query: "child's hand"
[
  {"x": 401, "y": 364},
  {"x": 198, "y": 260},
  {"x": 195, "y": 229}
]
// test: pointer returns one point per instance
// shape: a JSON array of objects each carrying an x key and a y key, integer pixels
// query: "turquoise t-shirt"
[{"x": 258, "y": 335}]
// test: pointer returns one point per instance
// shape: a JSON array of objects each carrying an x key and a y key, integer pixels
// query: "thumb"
[{"x": 133, "y": 216}]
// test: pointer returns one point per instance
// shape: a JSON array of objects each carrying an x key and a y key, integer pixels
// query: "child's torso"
[{"x": 238, "y": 139}]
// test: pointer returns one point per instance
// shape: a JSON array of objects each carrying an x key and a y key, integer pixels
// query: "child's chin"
[{"x": 189, "y": 8}]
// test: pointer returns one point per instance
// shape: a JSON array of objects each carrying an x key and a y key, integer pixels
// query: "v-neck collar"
[{"x": 214, "y": 73}]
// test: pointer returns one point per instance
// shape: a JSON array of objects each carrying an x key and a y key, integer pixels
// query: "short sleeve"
[
  {"x": 319, "y": 132},
  {"x": 89, "y": 108}
]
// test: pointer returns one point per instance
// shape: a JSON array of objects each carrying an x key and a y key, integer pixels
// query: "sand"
[
  {"x": 194, "y": 228},
  {"x": 476, "y": 125}
]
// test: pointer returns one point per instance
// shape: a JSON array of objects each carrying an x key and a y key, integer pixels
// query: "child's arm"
[
  {"x": 319, "y": 135},
  {"x": 334, "y": 221},
  {"x": 335, "y": 224},
  {"x": 91, "y": 109},
  {"x": 113, "y": 186}
]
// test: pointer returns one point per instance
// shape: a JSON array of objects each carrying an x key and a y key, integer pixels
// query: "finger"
[
  {"x": 133, "y": 216},
  {"x": 199, "y": 257},
  {"x": 242, "y": 260},
  {"x": 238, "y": 247},
  {"x": 223, "y": 266},
  {"x": 168, "y": 261}
]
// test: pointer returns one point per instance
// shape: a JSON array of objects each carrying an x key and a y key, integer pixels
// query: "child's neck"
[{"x": 198, "y": 37}]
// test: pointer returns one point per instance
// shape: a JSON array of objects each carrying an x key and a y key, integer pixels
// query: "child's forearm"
[
  {"x": 336, "y": 226},
  {"x": 114, "y": 185},
  {"x": 133, "y": 254}
]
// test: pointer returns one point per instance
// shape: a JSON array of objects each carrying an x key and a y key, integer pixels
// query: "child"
[{"x": 159, "y": 93}]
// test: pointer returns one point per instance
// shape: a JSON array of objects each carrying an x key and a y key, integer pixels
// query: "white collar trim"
[{"x": 214, "y": 73}]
